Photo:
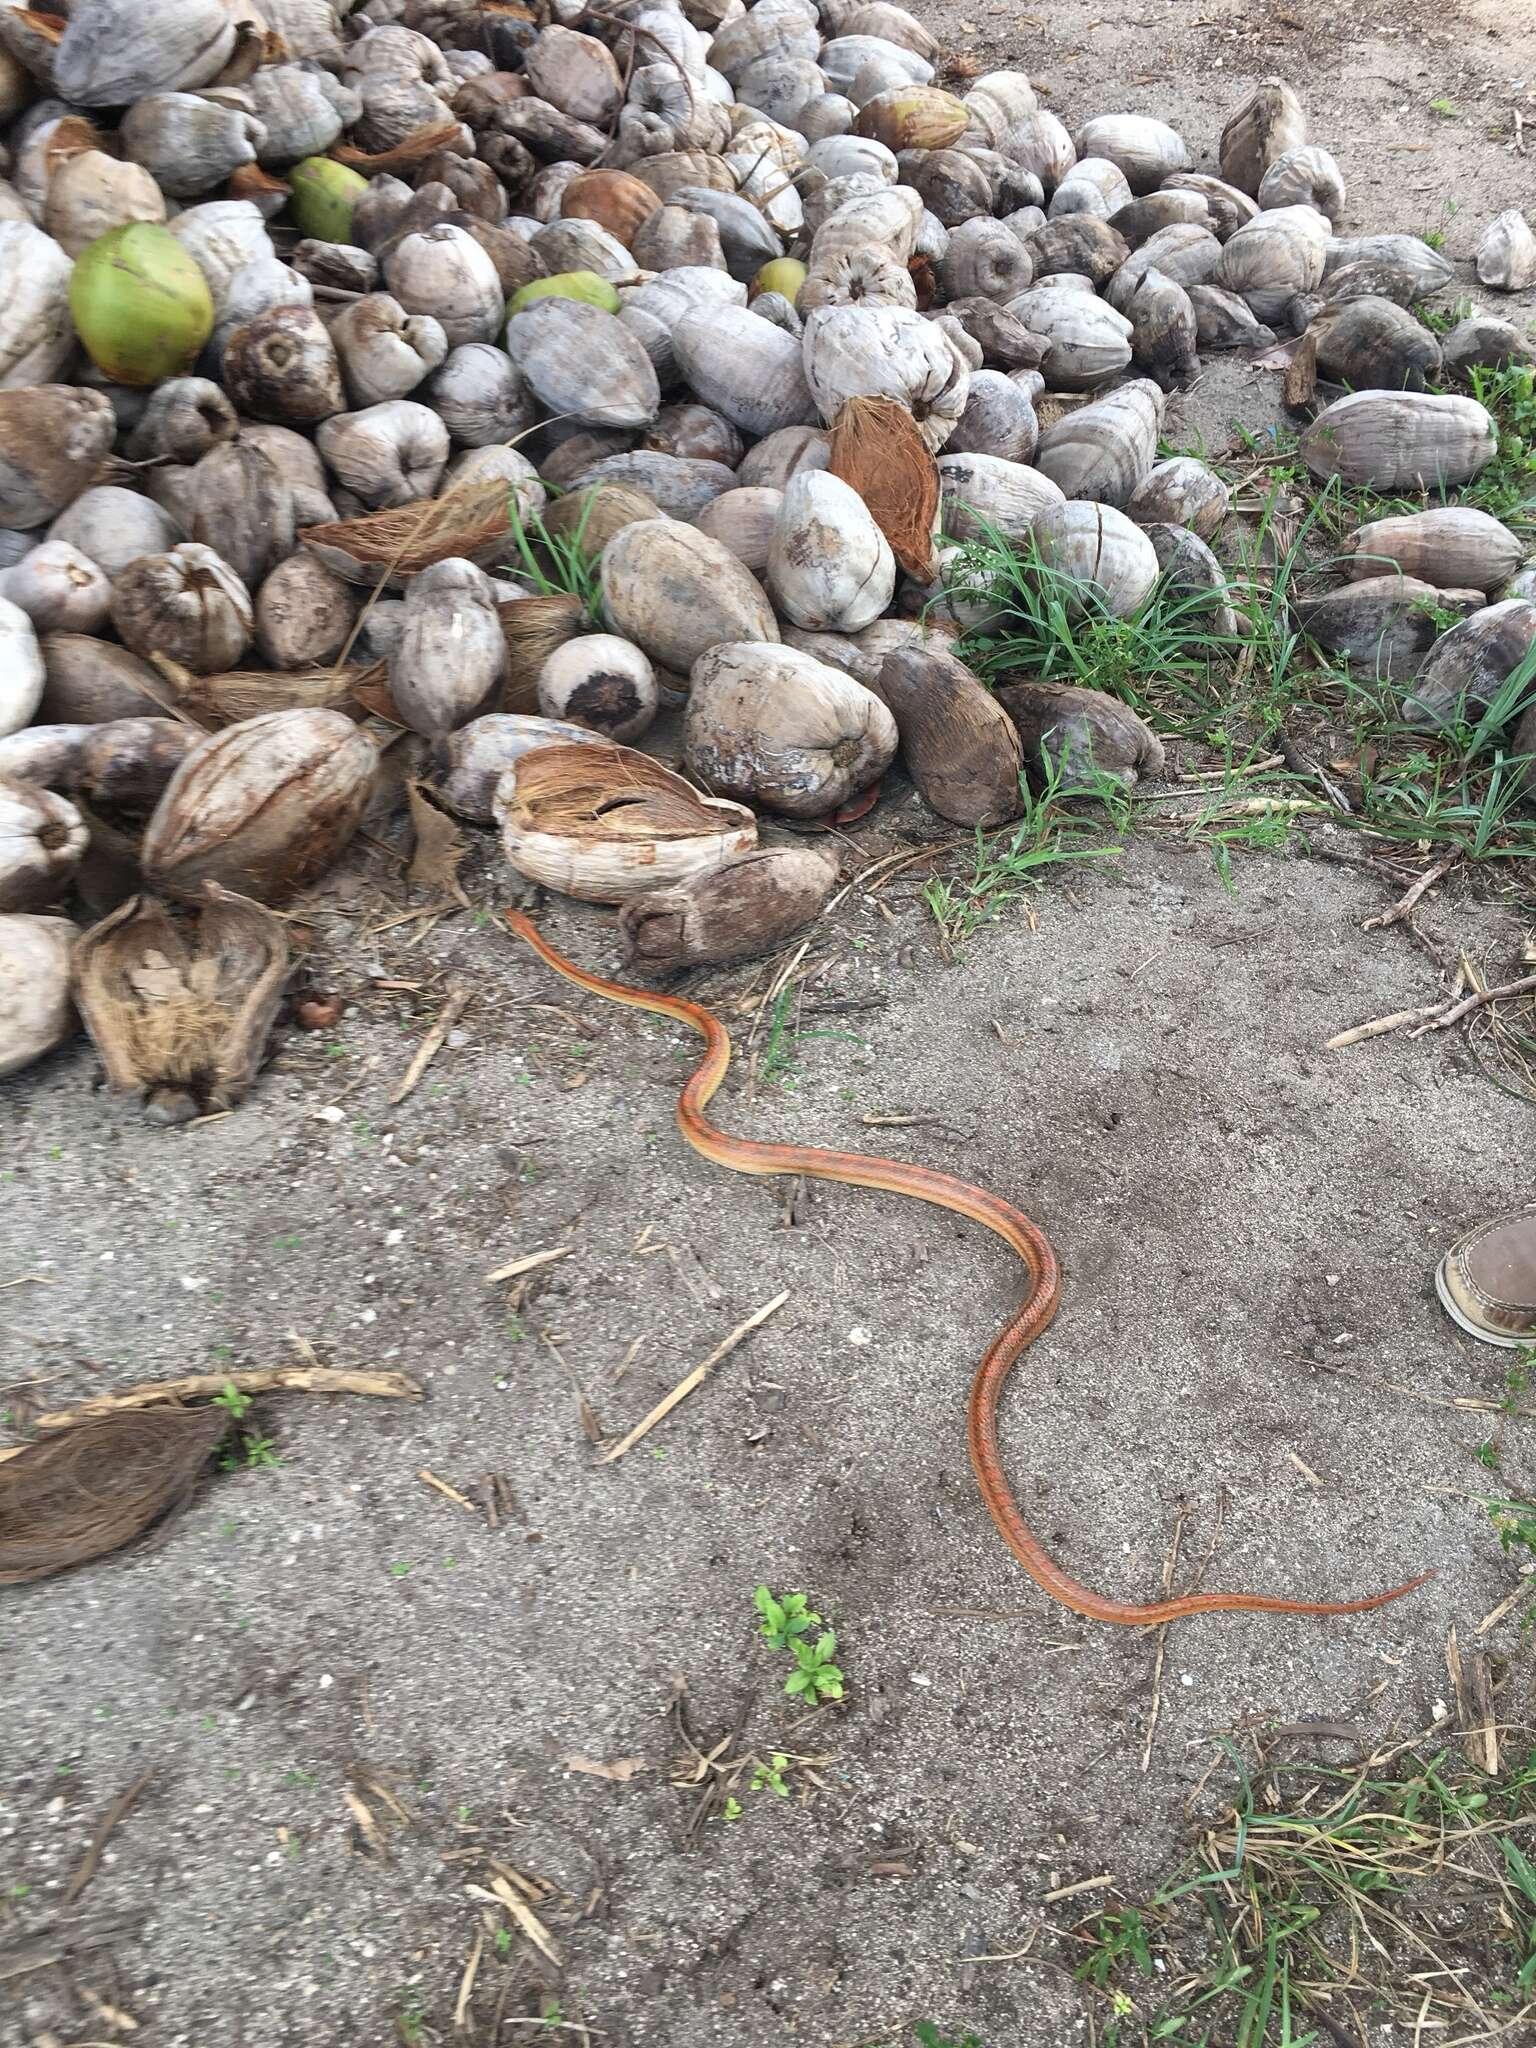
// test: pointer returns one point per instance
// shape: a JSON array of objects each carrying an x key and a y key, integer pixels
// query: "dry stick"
[
  {"x": 1403, "y": 907},
  {"x": 1473, "y": 1002},
  {"x": 450, "y": 1493},
  {"x": 694, "y": 1379},
  {"x": 467, "y": 1982},
  {"x": 526, "y": 1265},
  {"x": 1378, "y": 1025},
  {"x": 432, "y": 1044},
  {"x": 290, "y": 1379},
  {"x": 86, "y": 1869},
  {"x": 1170, "y": 1566}
]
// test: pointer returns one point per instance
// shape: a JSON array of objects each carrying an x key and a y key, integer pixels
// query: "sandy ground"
[{"x": 1248, "y": 1224}]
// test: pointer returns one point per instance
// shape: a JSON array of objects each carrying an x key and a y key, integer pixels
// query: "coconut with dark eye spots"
[{"x": 600, "y": 681}]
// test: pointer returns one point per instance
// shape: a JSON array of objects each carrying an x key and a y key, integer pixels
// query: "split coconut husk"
[
  {"x": 391, "y": 546},
  {"x": 877, "y": 449},
  {"x": 179, "y": 998},
  {"x": 743, "y": 906},
  {"x": 92, "y": 1488},
  {"x": 604, "y": 823},
  {"x": 533, "y": 628}
]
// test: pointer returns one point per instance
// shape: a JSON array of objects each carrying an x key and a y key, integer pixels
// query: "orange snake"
[{"x": 744, "y": 1155}]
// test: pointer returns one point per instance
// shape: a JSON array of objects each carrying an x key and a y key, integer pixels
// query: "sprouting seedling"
[{"x": 783, "y": 1620}]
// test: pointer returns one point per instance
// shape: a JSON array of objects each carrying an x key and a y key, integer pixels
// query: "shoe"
[{"x": 1487, "y": 1281}]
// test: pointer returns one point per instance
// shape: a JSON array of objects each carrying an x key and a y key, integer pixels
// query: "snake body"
[{"x": 921, "y": 1183}]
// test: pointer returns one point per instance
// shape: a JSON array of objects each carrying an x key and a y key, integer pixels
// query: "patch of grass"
[
  {"x": 786, "y": 1625},
  {"x": 1049, "y": 832},
  {"x": 929, "y": 2036},
  {"x": 1398, "y": 1894},
  {"x": 778, "y": 1066},
  {"x": 1434, "y": 237},
  {"x": 556, "y": 564}
]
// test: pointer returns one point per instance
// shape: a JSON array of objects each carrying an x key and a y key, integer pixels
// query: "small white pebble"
[
  {"x": 326, "y": 1680},
  {"x": 192, "y": 1284},
  {"x": 1186, "y": 1678},
  {"x": 860, "y": 1336},
  {"x": 394, "y": 1236},
  {"x": 919, "y": 1678},
  {"x": 329, "y": 1115}
]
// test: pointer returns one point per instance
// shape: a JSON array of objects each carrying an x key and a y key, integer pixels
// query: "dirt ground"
[{"x": 1248, "y": 1224}]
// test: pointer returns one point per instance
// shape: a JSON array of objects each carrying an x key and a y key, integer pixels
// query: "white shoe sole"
[{"x": 1459, "y": 1316}]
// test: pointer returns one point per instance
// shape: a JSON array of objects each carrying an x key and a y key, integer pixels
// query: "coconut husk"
[
  {"x": 247, "y": 693},
  {"x": 960, "y": 746},
  {"x": 405, "y": 156},
  {"x": 533, "y": 628},
  {"x": 597, "y": 512},
  {"x": 605, "y": 823},
  {"x": 1080, "y": 733},
  {"x": 745, "y": 906},
  {"x": 250, "y": 181},
  {"x": 74, "y": 135},
  {"x": 179, "y": 999},
  {"x": 877, "y": 449},
  {"x": 393, "y": 545},
  {"x": 93, "y": 1488}
]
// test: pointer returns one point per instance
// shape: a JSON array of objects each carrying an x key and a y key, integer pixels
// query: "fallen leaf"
[
  {"x": 439, "y": 849},
  {"x": 621, "y": 1770}
]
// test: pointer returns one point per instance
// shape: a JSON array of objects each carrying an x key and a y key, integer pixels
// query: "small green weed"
[
  {"x": 233, "y": 1401},
  {"x": 411, "y": 2020},
  {"x": 783, "y": 1620},
  {"x": 1435, "y": 237},
  {"x": 930, "y": 2036},
  {"x": 1446, "y": 110},
  {"x": 786, "y": 1625},
  {"x": 770, "y": 1777}
]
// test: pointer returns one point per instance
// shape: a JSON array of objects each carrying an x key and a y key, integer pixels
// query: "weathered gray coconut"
[
  {"x": 774, "y": 727},
  {"x": 675, "y": 593}
]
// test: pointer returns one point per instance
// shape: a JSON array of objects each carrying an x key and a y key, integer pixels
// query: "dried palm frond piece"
[
  {"x": 179, "y": 999},
  {"x": 94, "y": 1487},
  {"x": 605, "y": 823},
  {"x": 878, "y": 450},
  {"x": 393, "y": 544}
]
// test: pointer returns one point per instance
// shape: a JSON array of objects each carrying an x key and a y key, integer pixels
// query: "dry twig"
[
  {"x": 288, "y": 1379},
  {"x": 696, "y": 1378}
]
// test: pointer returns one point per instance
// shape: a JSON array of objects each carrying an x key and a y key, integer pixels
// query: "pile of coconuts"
[{"x": 460, "y": 385}]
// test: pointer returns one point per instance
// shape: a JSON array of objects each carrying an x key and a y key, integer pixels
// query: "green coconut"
[
  {"x": 783, "y": 275},
  {"x": 140, "y": 304},
  {"x": 322, "y": 194},
  {"x": 584, "y": 285}
]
